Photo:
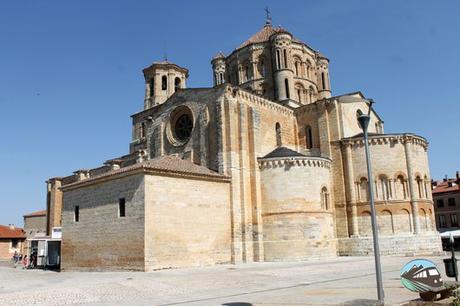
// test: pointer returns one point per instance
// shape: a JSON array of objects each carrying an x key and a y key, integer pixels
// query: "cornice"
[
  {"x": 386, "y": 139},
  {"x": 298, "y": 161}
]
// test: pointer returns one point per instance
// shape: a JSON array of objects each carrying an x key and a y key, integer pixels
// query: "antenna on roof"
[
  {"x": 165, "y": 54},
  {"x": 268, "y": 18}
]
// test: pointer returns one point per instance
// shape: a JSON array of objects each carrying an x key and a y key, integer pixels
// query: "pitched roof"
[
  {"x": 36, "y": 213},
  {"x": 7, "y": 232},
  {"x": 264, "y": 35},
  {"x": 176, "y": 164},
  {"x": 168, "y": 163},
  {"x": 442, "y": 186},
  {"x": 283, "y": 152}
]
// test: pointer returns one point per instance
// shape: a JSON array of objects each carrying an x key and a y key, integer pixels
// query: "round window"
[{"x": 183, "y": 127}]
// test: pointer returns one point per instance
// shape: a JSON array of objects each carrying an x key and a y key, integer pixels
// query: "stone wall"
[
  {"x": 102, "y": 240},
  {"x": 297, "y": 210},
  {"x": 423, "y": 244},
  {"x": 398, "y": 206},
  {"x": 6, "y": 249},
  {"x": 187, "y": 222},
  {"x": 35, "y": 224}
]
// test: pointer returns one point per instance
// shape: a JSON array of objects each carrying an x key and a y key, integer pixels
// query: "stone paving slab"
[{"x": 339, "y": 281}]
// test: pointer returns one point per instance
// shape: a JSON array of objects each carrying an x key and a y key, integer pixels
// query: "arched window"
[
  {"x": 311, "y": 91},
  {"x": 152, "y": 87},
  {"x": 142, "y": 130},
  {"x": 363, "y": 190},
  {"x": 323, "y": 80},
  {"x": 400, "y": 188},
  {"x": 262, "y": 67},
  {"x": 307, "y": 69},
  {"x": 285, "y": 59},
  {"x": 164, "y": 82},
  {"x": 419, "y": 181},
  {"x": 278, "y": 59},
  {"x": 324, "y": 199},
  {"x": 308, "y": 137},
  {"x": 297, "y": 68},
  {"x": 246, "y": 73},
  {"x": 286, "y": 85},
  {"x": 385, "y": 191},
  {"x": 425, "y": 185},
  {"x": 221, "y": 75},
  {"x": 278, "y": 134},
  {"x": 300, "y": 91},
  {"x": 176, "y": 84}
]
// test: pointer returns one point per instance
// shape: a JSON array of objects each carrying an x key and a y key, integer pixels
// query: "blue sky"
[{"x": 70, "y": 72}]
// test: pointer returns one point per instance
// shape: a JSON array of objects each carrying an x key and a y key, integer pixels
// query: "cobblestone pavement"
[{"x": 326, "y": 282}]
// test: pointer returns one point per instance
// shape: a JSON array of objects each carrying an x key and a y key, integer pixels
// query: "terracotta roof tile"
[
  {"x": 7, "y": 232},
  {"x": 283, "y": 152},
  {"x": 167, "y": 163},
  {"x": 264, "y": 35},
  {"x": 36, "y": 213},
  {"x": 176, "y": 164},
  {"x": 442, "y": 186}
]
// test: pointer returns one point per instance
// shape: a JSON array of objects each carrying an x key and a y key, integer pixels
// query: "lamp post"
[{"x": 363, "y": 120}]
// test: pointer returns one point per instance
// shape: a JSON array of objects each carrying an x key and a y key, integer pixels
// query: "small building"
[
  {"x": 11, "y": 240},
  {"x": 35, "y": 223},
  {"x": 35, "y": 228},
  {"x": 46, "y": 250},
  {"x": 446, "y": 198}
]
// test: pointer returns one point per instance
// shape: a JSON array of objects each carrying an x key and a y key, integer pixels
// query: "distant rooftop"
[
  {"x": 449, "y": 185},
  {"x": 11, "y": 232},
  {"x": 264, "y": 35},
  {"x": 283, "y": 152},
  {"x": 36, "y": 213}
]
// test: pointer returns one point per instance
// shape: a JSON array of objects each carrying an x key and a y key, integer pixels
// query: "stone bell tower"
[
  {"x": 218, "y": 68},
  {"x": 162, "y": 80},
  {"x": 282, "y": 71}
]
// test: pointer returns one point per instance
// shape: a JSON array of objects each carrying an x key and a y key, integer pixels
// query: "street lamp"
[{"x": 363, "y": 120}]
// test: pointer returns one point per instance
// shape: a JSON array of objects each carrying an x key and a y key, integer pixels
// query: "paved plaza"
[{"x": 344, "y": 280}]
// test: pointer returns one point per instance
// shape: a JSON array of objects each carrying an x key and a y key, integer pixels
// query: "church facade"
[{"x": 266, "y": 165}]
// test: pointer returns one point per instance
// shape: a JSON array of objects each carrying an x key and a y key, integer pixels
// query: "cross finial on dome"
[{"x": 268, "y": 19}]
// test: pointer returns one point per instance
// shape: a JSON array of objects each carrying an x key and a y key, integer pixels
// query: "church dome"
[{"x": 264, "y": 35}]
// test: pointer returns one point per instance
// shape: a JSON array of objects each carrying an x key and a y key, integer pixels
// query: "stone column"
[
  {"x": 410, "y": 180},
  {"x": 256, "y": 191},
  {"x": 232, "y": 169},
  {"x": 171, "y": 78},
  {"x": 254, "y": 70},
  {"x": 352, "y": 213},
  {"x": 391, "y": 189}
]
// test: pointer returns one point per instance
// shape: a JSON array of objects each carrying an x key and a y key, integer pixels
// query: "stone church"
[{"x": 266, "y": 165}]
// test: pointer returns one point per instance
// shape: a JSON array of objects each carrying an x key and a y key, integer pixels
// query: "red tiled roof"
[
  {"x": 36, "y": 213},
  {"x": 264, "y": 35},
  {"x": 7, "y": 232},
  {"x": 442, "y": 187}
]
